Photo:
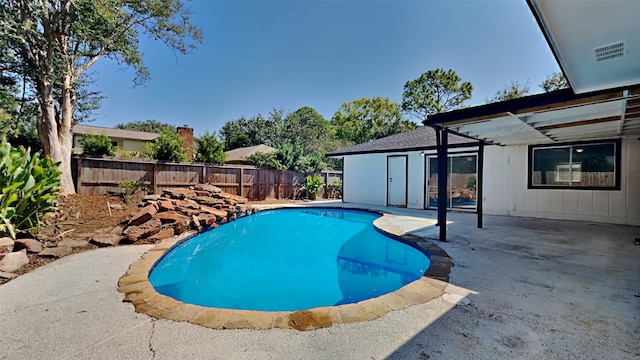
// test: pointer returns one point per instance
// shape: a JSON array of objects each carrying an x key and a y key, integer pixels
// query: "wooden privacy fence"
[{"x": 94, "y": 176}]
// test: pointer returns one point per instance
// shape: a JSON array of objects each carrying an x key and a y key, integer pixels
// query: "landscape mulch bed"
[{"x": 78, "y": 215}]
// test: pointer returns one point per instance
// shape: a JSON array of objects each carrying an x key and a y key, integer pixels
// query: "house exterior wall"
[
  {"x": 506, "y": 193},
  {"x": 131, "y": 145},
  {"x": 505, "y": 186},
  {"x": 125, "y": 144},
  {"x": 365, "y": 177}
]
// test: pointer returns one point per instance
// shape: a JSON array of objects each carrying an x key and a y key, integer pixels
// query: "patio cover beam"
[
  {"x": 442, "y": 138},
  {"x": 552, "y": 117},
  {"x": 479, "y": 182},
  {"x": 623, "y": 111},
  {"x": 578, "y": 123}
]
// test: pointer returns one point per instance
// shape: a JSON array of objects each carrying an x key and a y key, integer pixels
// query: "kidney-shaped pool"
[{"x": 288, "y": 260}]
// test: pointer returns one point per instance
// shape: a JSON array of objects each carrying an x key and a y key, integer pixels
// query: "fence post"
[
  {"x": 154, "y": 179},
  {"x": 79, "y": 175},
  {"x": 325, "y": 192},
  {"x": 277, "y": 189},
  {"x": 204, "y": 174},
  {"x": 241, "y": 182},
  {"x": 257, "y": 177}
]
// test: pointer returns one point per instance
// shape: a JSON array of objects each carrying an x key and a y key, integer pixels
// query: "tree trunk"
[{"x": 55, "y": 136}]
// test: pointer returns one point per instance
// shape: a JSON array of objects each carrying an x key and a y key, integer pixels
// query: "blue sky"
[{"x": 260, "y": 55}]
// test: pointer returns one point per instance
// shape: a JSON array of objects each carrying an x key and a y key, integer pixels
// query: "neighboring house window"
[{"x": 589, "y": 165}]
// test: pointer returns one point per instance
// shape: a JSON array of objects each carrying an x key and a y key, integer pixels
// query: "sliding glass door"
[{"x": 461, "y": 181}]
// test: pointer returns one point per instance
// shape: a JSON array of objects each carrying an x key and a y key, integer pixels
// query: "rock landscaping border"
[{"x": 139, "y": 291}]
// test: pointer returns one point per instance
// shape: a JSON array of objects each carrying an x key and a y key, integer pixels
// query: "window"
[{"x": 589, "y": 165}]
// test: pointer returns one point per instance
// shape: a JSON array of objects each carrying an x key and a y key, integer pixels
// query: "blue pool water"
[{"x": 288, "y": 259}]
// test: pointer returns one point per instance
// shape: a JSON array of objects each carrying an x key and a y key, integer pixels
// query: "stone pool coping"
[{"x": 139, "y": 291}]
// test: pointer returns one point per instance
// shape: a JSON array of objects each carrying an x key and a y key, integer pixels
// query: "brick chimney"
[{"x": 186, "y": 133}]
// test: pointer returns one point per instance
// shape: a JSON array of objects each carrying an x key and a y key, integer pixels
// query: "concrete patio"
[{"x": 521, "y": 288}]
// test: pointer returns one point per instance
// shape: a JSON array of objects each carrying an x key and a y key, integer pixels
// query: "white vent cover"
[{"x": 611, "y": 51}]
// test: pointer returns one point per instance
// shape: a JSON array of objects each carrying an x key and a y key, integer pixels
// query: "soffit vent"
[{"x": 608, "y": 52}]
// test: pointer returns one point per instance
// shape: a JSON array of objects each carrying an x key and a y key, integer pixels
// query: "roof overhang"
[
  {"x": 596, "y": 43},
  {"x": 558, "y": 116}
]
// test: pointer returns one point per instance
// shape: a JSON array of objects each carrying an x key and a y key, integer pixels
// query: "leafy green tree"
[
  {"x": 365, "y": 119},
  {"x": 97, "y": 145},
  {"x": 435, "y": 91},
  {"x": 87, "y": 99},
  {"x": 512, "y": 91},
  {"x": 150, "y": 126},
  {"x": 57, "y": 41},
  {"x": 234, "y": 136},
  {"x": 210, "y": 149},
  {"x": 168, "y": 146},
  {"x": 309, "y": 164},
  {"x": 333, "y": 143},
  {"x": 289, "y": 153},
  {"x": 267, "y": 160},
  {"x": 555, "y": 81},
  {"x": 306, "y": 127},
  {"x": 4, "y": 117},
  {"x": 18, "y": 115},
  {"x": 299, "y": 136},
  {"x": 256, "y": 130},
  {"x": 289, "y": 156}
]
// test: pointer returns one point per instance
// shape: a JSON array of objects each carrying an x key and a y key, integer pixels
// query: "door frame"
[
  {"x": 427, "y": 175},
  {"x": 406, "y": 179}
]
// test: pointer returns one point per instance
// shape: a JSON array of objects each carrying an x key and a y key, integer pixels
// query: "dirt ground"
[
  {"x": 76, "y": 218},
  {"x": 80, "y": 216}
]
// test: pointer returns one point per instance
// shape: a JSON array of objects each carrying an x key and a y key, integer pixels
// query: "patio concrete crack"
[
  {"x": 153, "y": 330},
  {"x": 99, "y": 343}
]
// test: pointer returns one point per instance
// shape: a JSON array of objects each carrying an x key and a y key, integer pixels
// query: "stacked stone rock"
[
  {"x": 457, "y": 194},
  {"x": 197, "y": 208},
  {"x": 13, "y": 255}
]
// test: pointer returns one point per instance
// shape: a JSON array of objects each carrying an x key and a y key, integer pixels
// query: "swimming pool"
[{"x": 288, "y": 260}]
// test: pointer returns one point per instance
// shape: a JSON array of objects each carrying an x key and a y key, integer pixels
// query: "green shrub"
[
  {"x": 210, "y": 149},
  {"x": 471, "y": 183},
  {"x": 30, "y": 186},
  {"x": 131, "y": 188},
  {"x": 126, "y": 154},
  {"x": 308, "y": 164},
  {"x": 268, "y": 160},
  {"x": 312, "y": 185},
  {"x": 168, "y": 146},
  {"x": 97, "y": 145},
  {"x": 335, "y": 189},
  {"x": 147, "y": 151},
  {"x": 288, "y": 154}
]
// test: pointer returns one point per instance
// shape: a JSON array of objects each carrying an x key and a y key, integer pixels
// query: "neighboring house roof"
[
  {"x": 422, "y": 138},
  {"x": 114, "y": 133},
  {"x": 240, "y": 154},
  {"x": 595, "y": 42},
  {"x": 557, "y": 116}
]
